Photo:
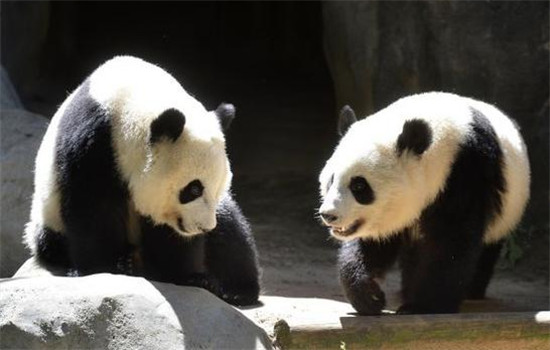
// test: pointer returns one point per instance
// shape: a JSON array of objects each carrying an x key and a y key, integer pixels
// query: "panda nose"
[{"x": 328, "y": 218}]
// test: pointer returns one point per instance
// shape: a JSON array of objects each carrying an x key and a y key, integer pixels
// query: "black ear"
[
  {"x": 168, "y": 125},
  {"x": 416, "y": 136},
  {"x": 226, "y": 114},
  {"x": 346, "y": 118}
]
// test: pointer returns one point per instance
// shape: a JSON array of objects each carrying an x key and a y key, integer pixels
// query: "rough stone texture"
[
  {"x": 8, "y": 95},
  {"x": 107, "y": 311},
  {"x": 24, "y": 34},
  {"x": 20, "y": 137},
  {"x": 378, "y": 51}
]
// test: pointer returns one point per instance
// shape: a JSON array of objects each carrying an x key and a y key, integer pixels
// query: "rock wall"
[
  {"x": 20, "y": 137},
  {"x": 496, "y": 51}
]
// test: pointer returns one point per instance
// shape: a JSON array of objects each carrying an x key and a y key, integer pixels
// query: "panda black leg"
[
  {"x": 231, "y": 256},
  {"x": 360, "y": 263},
  {"x": 168, "y": 257},
  {"x": 96, "y": 247},
  {"x": 96, "y": 231},
  {"x": 94, "y": 199},
  {"x": 436, "y": 274},
  {"x": 484, "y": 270}
]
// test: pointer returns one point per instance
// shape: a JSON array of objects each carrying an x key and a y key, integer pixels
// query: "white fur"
[
  {"x": 46, "y": 206},
  {"x": 405, "y": 185},
  {"x": 134, "y": 93}
]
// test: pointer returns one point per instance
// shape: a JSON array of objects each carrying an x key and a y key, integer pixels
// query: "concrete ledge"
[{"x": 499, "y": 331}]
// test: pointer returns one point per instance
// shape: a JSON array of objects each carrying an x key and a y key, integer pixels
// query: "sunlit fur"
[
  {"x": 134, "y": 93},
  {"x": 404, "y": 185}
]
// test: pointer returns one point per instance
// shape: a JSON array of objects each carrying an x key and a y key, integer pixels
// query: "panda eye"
[
  {"x": 192, "y": 191},
  {"x": 361, "y": 190}
]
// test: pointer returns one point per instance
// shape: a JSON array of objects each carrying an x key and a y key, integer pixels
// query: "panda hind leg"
[
  {"x": 52, "y": 250},
  {"x": 231, "y": 257},
  {"x": 484, "y": 270}
]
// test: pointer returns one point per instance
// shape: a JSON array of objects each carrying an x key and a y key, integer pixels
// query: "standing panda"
[
  {"x": 436, "y": 179},
  {"x": 132, "y": 177}
]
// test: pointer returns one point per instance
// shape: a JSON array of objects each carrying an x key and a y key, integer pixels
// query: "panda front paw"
[
  {"x": 366, "y": 297},
  {"x": 205, "y": 282},
  {"x": 240, "y": 299},
  {"x": 125, "y": 264}
]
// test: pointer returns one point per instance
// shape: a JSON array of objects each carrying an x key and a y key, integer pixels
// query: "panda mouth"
[
  {"x": 344, "y": 232},
  {"x": 180, "y": 224}
]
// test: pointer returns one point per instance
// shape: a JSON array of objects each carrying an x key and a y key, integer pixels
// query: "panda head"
[
  {"x": 187, "y": 171},
  {"x": 169, "y": 149},
  {"x": 371, "y": 186}
]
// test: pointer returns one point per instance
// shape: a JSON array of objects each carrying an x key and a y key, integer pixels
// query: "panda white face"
[{"x": 365, "y": 196}]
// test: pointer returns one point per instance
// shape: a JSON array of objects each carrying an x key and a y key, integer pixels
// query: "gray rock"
[
  {"x": 107, "y": 311},
  {"x": 20, "y": 137},
  {"x": 8, "y": 95}
]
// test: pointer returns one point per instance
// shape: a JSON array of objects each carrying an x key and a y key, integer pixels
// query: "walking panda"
[
  {"x": 435, "y": 179},
  {"x": 132, "y": 177}
]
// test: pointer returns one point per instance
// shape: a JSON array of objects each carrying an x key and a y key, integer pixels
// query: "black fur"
[
  {"x": 360, "y": 261},
  {"x": 192, "y": 191},
  {"x": 361, "y": 190},
  {"x": 52, "y": 248},
  {"x": 416, "y": 136},
  {"x": 439, "y": 267},
  {"x": 93, "y": 197},
  {"x": 168, "y": 125},
  {"x": 223, "y": 261},
  {"x": 484, "y": 270},
  {"x": 345, "y": 119},
  {"x": 225, "y": 113}
]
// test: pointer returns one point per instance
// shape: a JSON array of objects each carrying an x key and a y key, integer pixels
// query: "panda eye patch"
[
  {"x": 192, "y": 191},
  {"x": 361, "y": 190}
]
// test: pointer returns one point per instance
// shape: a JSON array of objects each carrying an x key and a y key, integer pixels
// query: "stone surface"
[
  {"x": 107, "y": 311},
  {"x": 8, "y": 95},
  {"x": 20, "y": 135}
]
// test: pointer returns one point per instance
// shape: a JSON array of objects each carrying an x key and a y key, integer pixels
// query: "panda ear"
[
  {"x": 225, "y": 113},
  {"x": 416, "y": 137},
  {"x": 346, "y": 118},
  {"x": 168, "y": 125}
]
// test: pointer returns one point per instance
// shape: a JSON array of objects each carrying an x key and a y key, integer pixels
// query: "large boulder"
[{"x": 107, "y": 311}]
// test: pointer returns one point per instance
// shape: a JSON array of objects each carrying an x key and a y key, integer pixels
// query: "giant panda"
[
  {"x": 434, "y": 179},
  {"x": 132, "y": 177}
]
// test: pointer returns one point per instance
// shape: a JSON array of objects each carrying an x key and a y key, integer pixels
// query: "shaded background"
[{"x": 288, "y": 67}]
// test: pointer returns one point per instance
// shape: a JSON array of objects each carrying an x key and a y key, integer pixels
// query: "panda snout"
[
  {"x": 206, "y": 229},
  {"x": 328, "y": 218}
]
